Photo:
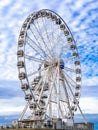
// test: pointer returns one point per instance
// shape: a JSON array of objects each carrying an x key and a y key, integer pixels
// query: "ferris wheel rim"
[{"x": 38, "y": 59}]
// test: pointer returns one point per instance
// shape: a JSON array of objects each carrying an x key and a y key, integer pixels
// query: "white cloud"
[
  {"x": 4, "y": 3},
  {"x": 16, "y": 105},
  {"x": 11, "y": 19},
  {"x": 88, "y": 105},
  {"x": 18, "y": 12},
  {"x": 92, "y": 81},
  {"x": 11, "y": 106},
  {"x": 11, "y": 110}
]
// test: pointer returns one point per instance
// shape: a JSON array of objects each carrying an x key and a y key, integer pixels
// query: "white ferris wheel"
[{"x": 49, "y": 66}]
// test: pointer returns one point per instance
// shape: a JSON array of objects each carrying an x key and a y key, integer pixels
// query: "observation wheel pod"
[
  {"x": 24, "y": 87},
  {"x": 28, "y": 97},
  {"x": 49, "y": 66},
  {"x": 20, "y": 53},
  {"x": 32, "y": 106},
  {"x": 20, "y": 64},
  {"x": 62, "y": 26},
  {"x": 22, "y": 75},
  {"x": 66, "y": 32},
  {"x": 21, "y": 42},
  {"x": 78, "y": 86}
]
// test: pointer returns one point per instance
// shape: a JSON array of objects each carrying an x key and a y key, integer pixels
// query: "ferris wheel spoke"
[
  {"x": 49, "y": 52},
  {"x": 59, "y": 101},
  {"x": 64, "y": 47},
  {"x": 58, "y": 41},
  {"x": 58, "y": 90},
  {"x": 43, "y": 19},
  {"x": 43, "y": 52},
  {"x": 51, "y": 87},
  {"x": 67, "y": 97},
  {"x": 72, "y": 85},
  {"x": 59, "y": 109},
  {"x": 66, "y": 93},
  {"x": 43, "y": 38},
  {"x": 40, "y": 70},
  {"x": 63, "y": 101},
  {"x": 35, "y": 72},
  {"x": 65, "y": 110},
  {"x": 76, "y": 101},
  {"x": 36, "y": 39},
  {"x": 68, "y": 59},
  {"x": 52, "y": 32},
  {"x": 39, "y": 45},
  {"x": 42, "y": 87},
  {"x": 69, "y": 78},
  {"x": 58, "y": 98},
  {"x": 69, "y": 69},
  {"x": 30, "y": 44},
  {"x": 68, "y": 86},
  {"x": 39, "y": 84},
  {"x": 57, "y": 36},
  {"x": 46, "y": 33},
  {"x": 53, "y": 38},
  {"x": 33, "y": 58}
]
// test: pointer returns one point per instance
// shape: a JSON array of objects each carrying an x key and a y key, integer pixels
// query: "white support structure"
[
  {"x": 58, "y": 93},
  {"x": 23, "y": 112},
  {"x": 49, "y": 68}
]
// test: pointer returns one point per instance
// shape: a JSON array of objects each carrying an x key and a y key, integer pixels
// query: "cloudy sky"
[{"x": 81, "y": 17}]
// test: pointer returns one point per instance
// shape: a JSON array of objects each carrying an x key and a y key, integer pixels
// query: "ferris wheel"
[{"x": 49, "y": 66}]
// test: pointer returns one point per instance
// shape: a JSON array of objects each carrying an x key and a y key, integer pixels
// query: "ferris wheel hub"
[
  {"x": 61, "y": 64},
  {"x": 55, "y": 63}
]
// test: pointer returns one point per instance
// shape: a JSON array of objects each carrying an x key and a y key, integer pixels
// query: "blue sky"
[{"x": 81, "y": 17}]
